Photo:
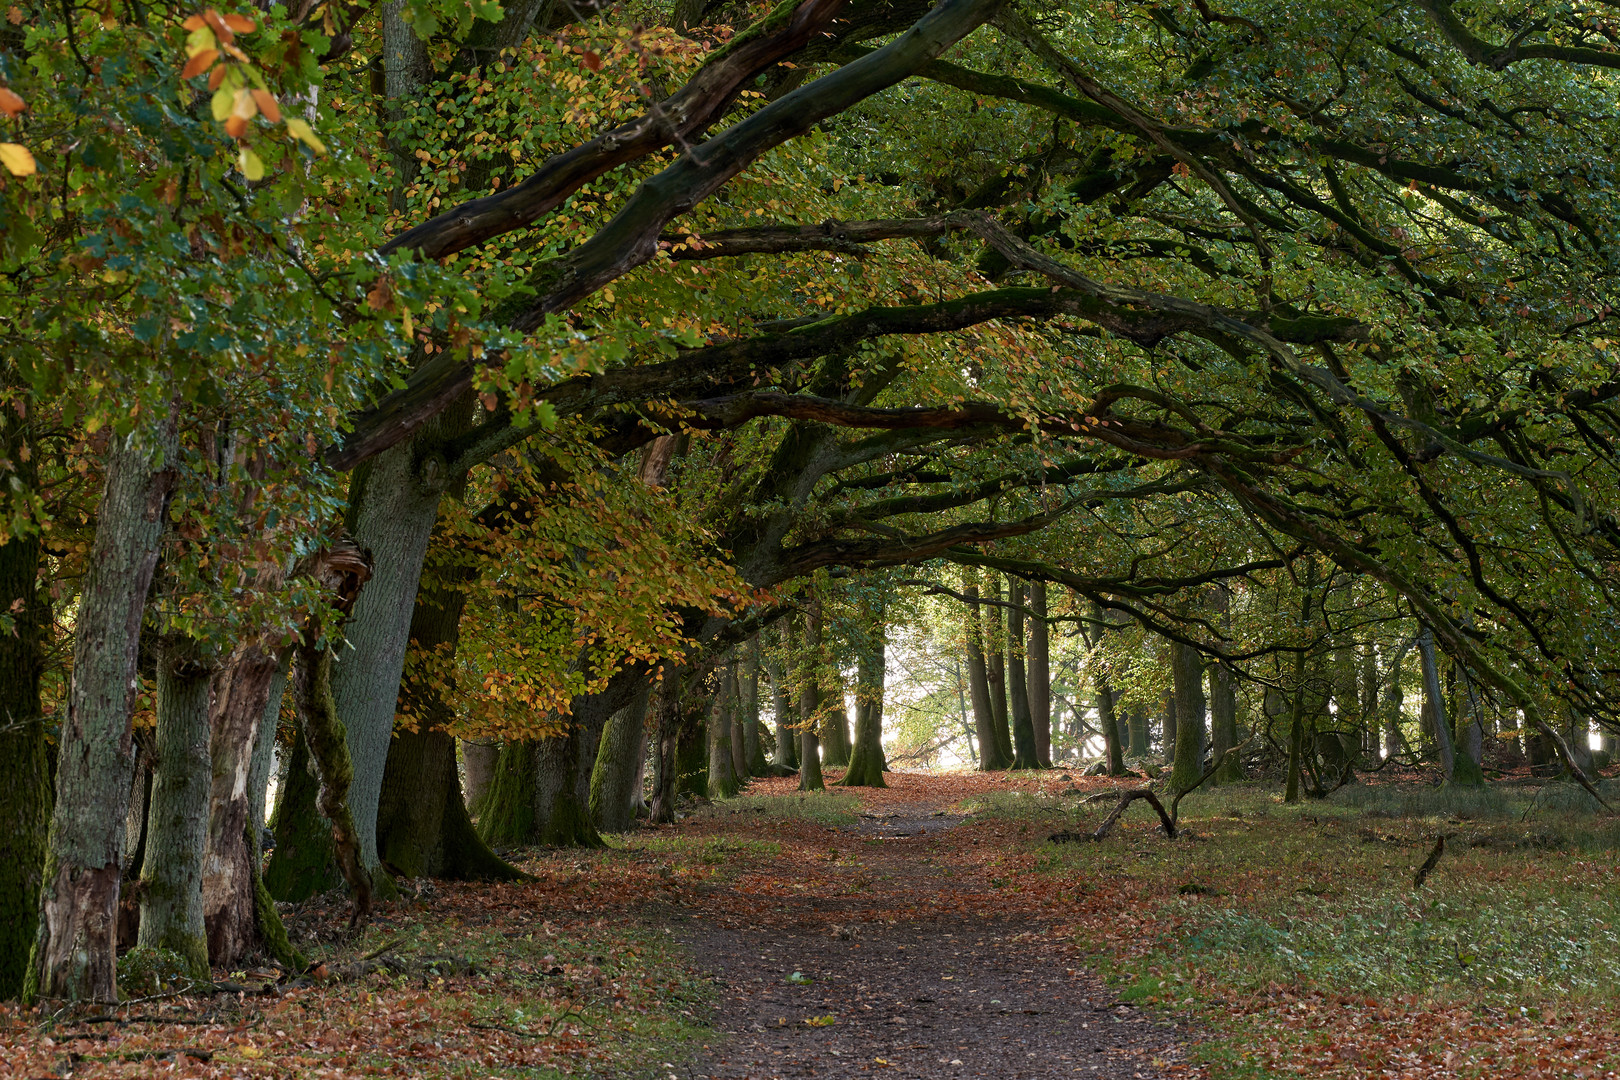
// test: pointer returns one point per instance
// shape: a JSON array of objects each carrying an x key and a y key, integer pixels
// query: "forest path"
[{"x": 899, "y": 960}]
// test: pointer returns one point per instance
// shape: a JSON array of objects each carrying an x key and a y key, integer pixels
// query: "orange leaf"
[
  {"x": 211, "y": 17},
  {"x": 592, "y": 61},
  {"x": 194, "y": 23},
  {"x": 235, "y": 126},
  {"x": 267, "y": 105},
  {"x": 199, "y": 63},
  {"x": 241, "y": 24},
  {"x": 216, "y": 77},
  {"x": 10, "y": 103}
]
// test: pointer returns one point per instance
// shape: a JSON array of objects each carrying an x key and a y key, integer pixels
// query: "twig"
[{"x": 1429, "y": 863}]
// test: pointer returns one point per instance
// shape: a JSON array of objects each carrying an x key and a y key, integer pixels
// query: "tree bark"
[
  {"x": 1109, "y": 719},
  {"x": 835, "y": 740},
  {"x": 1139, "y": 732},
  {"x": 1188, "y": 672},
  {"x": 616, "y": 778},
  {"x": 25, "y": 791},
  {"x": 1223, "y": 722},
  {"x": 1024, "y": 751},
  {"x": 739, "y": 723},
  {"x": 423, "y": 829},
  {"x": 752, "y": 743},
  {"x": 478, "y": 755},
  {"x": 787, "y": 737},
  {"x": 506, "y": 814},
  {"x": 991, "y": 757},
  {"x": 1167, "y": 726},
  {"x": 1435, "y": 703},
  {"x": 303, "y": 864},
  {"x": 74, "y": 955},
  {"x": 177, "y": 828},
  {"x": 1040, "y": 674},
  {"x": 810, "y": 706},
  {"x": 996, "y": 672},
  {"x": 722, "y": 767},
  {"x": 866, "y": 764},
  {"x": 240, "y": 699}
]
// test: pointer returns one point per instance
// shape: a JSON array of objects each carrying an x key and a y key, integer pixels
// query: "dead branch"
[{"x": 1430, "y": 863}]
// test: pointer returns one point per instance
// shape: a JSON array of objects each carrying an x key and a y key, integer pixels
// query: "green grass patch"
[
  {"x": 708, "y": 850},
  {"x": 818, "y": 807}
]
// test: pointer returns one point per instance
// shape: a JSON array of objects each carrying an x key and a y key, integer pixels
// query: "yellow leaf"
[
  {"x": 200, "y": 40},
  {"x": 17, "y": 160},
  {"x": 252, "y": 167},
  {"x": 305, "y": 134},
  {"x": 224, "y": 98}
]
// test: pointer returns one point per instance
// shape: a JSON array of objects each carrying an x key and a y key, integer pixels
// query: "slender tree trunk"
[
  {"x": 1167, "y": 727},
  {"x": 810, "y": 706},
  {"x": 1223, "y": 723},
  {"x": 962, "y": 708},
  {"x": 1579, "y": 737},
  {"x": 722, "y": 762},
  {"x": 866, "y": 764},
  {"x": 616, "y": 779},
  {"x": 787, "y": 738},
  {"x": 1188, "y": 671},
  {"x": 996, "y": 671},
  {"x": 991, "y": 757},
  {"x": 177, "y": 829},
  {"x": 752, "y": 743},
  {"x": 739, "y": 724},
  {"x": 25, "y": 780},
  {"x": 1395, "y": 705},
  {"x": 1296, "y": 726},
  {"x": 1040, "y": 674},
  {"x": 74, "y": 954},
  {"x": 1109, "y": 720},
  {"x": 1435, "y": 703},
  {"x": 1024, "y": 752}
]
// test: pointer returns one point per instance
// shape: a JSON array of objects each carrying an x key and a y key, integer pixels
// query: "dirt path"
[{"x": 905, "y": 970}]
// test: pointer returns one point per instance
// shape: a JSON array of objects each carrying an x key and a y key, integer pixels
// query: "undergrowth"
[{"x": 817, "y": 807}]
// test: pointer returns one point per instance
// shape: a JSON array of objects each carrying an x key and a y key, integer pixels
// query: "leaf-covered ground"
[{"x": 784, "y": 935}]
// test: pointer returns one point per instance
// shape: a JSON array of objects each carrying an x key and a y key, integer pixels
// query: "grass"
[
  {"x": 817, "y": 807},
  {"x": 1263, "y": 902}
]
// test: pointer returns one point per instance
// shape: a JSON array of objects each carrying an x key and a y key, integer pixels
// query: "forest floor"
[{"x": 932, "y": 929}]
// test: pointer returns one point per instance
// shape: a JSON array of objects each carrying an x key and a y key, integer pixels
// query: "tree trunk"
[
  {"x": 478, "y": 755},
  {"x": 996, "y": 672},
  {"x": 787, "y": 738},
  {"x": 1139, "y": 732},
  {"x": 722, "y": 766},
  {"x": 177, "y": 828},
  {"x": 1024, "y": 751},
  {"x": 1223, "y": 723},
  {"x": 752, "y": 743},
  {"x": 1579, "y": 737},
  {"x": 810, "y": 707},
  {"x": 25, "y": 791},
  {"x": 1435, "y": 704},
  {"x": 1109, "y": 720},
  {"x": 423, "y": 829},
  {"x": 1296, "y": 726},
  {"x": 616, "y": 778},
  {"x": 506, "y": 813},
  {"x": 74, "y": 955},
  {"x": 866, "y": 764},
  {"x": 302, "y": 864},
  {"x": 984, "y": 718},
  {"x": 835, "y": 739},
  {"x": 1187, "y": 669},
  {"x": 1167, "y": 726},
  {"x": 394, "y": 502},
  {"x": 241, "y": 695},
  {"x": 1040, "y": 674},
  {"x": 563, "y": 765},
  {"x": 739, "y": 724}
]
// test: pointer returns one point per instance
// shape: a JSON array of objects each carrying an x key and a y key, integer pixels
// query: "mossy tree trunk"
[
  {"x": 1167, "y": 727},
  {"x": 423, "y": 829},
  {"x": 866, "y": 764},
  {"x": 302, "y": 864},
  {"x": 1139, "y": 731},
  {"x": 1188, "y": 673},
  {"x": 506, "y": 812},
  {"x": 74, "y": 955},
  {"x": 25, "y": 779},
  {"x": 739, "y": 721},
  {"x": 1025, "y": 755},
  {"x": 177, "y": 826},
  {"x": 722, "y": 763},
  {"x": 810, "y": 706},
  {"x": 616, "y": 779},
  {"x": 1040, "y": 674},
  {"x": 478, "y": 758}
]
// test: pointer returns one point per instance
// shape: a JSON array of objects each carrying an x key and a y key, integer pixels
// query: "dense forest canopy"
[{"x": 594, "y": 379}]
